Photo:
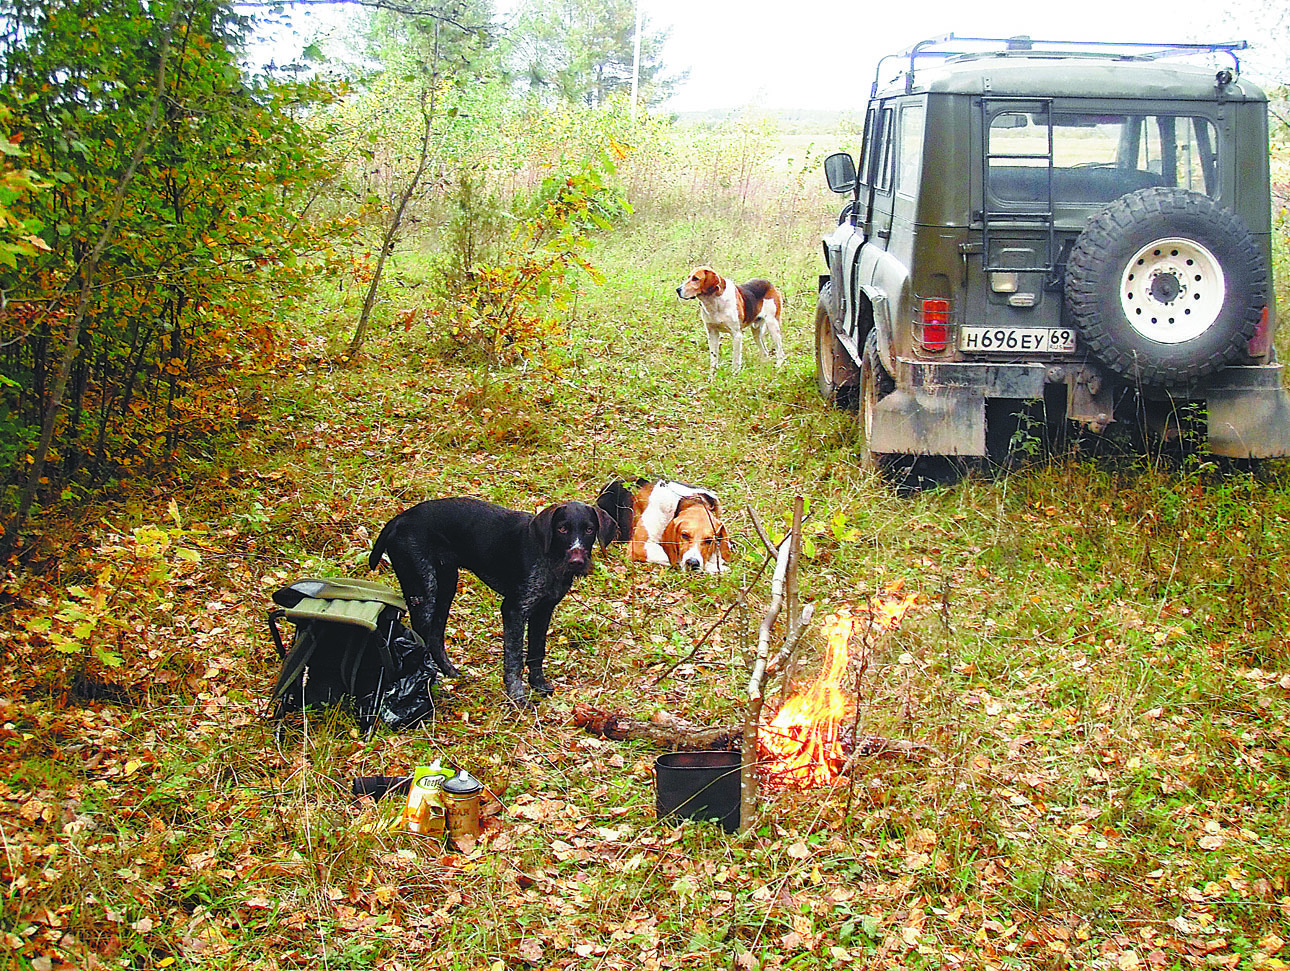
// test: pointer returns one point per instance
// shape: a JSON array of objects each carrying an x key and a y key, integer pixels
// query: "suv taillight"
[{"x": 934, "y": 318}]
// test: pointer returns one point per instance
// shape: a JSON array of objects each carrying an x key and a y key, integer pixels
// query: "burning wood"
[{"x": 802, "y": 746}]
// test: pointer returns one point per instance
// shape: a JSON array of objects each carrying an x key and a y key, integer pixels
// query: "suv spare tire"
[{"x": 1166, "y": 286}]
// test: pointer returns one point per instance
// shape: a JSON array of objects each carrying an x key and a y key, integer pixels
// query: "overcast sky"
[{"x": 822, "y": 53}]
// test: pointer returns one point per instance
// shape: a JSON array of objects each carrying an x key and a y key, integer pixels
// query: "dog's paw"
[
  {"x": 521, "y": 697},
  {"x": 448, "y": 669},
  {"x": 542, "y": 686}
]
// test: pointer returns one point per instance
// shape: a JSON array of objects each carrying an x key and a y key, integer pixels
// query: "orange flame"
[{"x": 801, "y": 745}]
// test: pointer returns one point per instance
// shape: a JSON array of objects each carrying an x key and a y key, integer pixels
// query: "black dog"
[{"x": 530, "y": 560}]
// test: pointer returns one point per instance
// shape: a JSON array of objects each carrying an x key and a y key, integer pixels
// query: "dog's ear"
[
  {"x": 705, "y": 499},
  {"x": 723, "y": 540},
  {"x": 541, "y": 526},
  {"x": 609, "y": 530},
  {"x": 616, "y": 502},
  {"x": 670, "y": 542}
]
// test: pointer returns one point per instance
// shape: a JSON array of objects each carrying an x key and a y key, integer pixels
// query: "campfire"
[{"x": 802, "y": 746}]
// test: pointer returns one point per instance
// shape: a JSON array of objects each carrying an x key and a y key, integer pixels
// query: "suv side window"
[
  {"x": 864, "y": 176},
  {"x": 910, "y": 153},
  {"x": 1181, "y": 149},
  {"x": 883, "y": 183},
  {"x": 1098, "y": 157}
]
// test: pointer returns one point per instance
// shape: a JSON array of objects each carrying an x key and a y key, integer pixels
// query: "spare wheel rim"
[{"x": 1172, "y": 290}]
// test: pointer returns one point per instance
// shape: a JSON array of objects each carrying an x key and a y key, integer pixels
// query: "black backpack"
[{"x": 351, "y": 648}]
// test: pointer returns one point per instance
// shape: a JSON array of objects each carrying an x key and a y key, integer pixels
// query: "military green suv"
[{"x": 1082, "y": 228}]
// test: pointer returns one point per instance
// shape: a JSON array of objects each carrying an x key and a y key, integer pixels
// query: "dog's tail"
[
  {"x": 616, "y": 500},
  {"x": 382, "y": 541}
]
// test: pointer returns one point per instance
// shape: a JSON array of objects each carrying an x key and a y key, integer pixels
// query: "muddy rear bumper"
[
  {"x": 939, "y": 409},
  {"x": 1249, "y": 412}
]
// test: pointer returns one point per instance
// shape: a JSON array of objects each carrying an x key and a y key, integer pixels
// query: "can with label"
[{"x": 461, "y": 800}]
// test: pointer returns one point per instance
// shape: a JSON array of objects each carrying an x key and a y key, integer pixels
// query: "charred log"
[
  {"x": 663, "y": 729},
  {"x": 667, "y": 730}
]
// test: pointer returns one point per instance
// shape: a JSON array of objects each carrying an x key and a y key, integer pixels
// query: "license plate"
[{"x": 1017, "y": 340}]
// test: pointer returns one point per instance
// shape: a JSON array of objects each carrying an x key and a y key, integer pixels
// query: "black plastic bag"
[{"x": 351, "y": 648}]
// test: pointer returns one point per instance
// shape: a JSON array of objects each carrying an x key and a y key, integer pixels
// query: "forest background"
[{"x": 248, "y": 312}]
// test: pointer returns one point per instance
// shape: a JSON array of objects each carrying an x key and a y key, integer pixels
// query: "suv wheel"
[
  {"x": 836, "y": 376},
  {"x": 875, "y": 384},
  {"x": 1165, "y": 285}
]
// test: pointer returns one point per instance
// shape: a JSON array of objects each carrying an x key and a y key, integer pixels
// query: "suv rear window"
[{"x": 1098, "y": 157}]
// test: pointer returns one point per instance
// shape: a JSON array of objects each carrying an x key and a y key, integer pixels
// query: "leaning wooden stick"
[
  {"x": 781, "y": 582},
  {"x": 771, "y": 548}
]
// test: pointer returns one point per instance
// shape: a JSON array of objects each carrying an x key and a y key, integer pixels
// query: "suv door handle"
[{"x": 966, "y": 250}]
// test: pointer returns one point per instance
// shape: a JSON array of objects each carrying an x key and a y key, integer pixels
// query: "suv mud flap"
[
  {"x": 941, "y": 409},
  {"x": 1249, "y": 412},
  {"x": 943, "y": 422}
]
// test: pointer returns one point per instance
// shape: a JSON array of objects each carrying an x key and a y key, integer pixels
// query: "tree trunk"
[
  {"x": 87, "y": 272},
  {"x": 396, "y": 221}
]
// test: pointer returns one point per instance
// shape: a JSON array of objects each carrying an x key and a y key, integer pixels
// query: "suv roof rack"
[{"x": 947, "y": 46}]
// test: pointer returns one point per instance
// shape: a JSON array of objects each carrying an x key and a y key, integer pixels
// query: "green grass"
[{"x": 1097, "y": 663}]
